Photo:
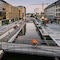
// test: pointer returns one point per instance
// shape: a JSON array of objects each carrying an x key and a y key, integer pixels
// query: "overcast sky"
[{"x": 31, "y": 4}]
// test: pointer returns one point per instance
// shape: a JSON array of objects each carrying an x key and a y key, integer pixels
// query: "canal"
[{"x": 28, "y": 34}]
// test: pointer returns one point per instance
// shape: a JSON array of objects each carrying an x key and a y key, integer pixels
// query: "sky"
[{"x": 31, "y": 5}]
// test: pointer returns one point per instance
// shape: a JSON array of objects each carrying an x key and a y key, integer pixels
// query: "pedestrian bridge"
[{"x": 28, "y": 49}]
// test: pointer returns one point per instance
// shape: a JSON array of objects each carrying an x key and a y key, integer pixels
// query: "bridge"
[{"x": 47, "y": 51}]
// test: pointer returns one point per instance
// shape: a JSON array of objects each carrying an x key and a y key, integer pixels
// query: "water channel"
[{"x": 28, "y": 34}]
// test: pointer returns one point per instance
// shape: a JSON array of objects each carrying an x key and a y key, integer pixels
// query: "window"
[
  {"x": 0, "y": 13},
  {"x": 58, "y": 14},
  {"x": 57, "y": 6},
  {"x": 3, "y": 8},
  {"x": 57, "y": 10}
]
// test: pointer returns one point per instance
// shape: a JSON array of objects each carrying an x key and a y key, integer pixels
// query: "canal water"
[{"x": 28, "y": 34}]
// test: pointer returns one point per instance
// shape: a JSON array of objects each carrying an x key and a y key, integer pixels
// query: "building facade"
[
  {"x": 12, "y": 12},
  {"x": 9, "y": 13},
  {"x": 2, "y": 9},
  {"x": 52, "y": 12},
  {"x": 22, "y": 12}
]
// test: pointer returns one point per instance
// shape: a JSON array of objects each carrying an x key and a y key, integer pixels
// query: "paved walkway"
[
  {"x": 8, "y": 37},
  {"x": 54, "y": 32},
  {"x": 7, "y": 27}
]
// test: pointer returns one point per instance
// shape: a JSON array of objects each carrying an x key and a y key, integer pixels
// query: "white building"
[
  {"x": 2, "y": 8},
  {"x": 52, "y": 12}
]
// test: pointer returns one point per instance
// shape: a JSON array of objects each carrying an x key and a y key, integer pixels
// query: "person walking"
[{"x": 35, "y": 43}]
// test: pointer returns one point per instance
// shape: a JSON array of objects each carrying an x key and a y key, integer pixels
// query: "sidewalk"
[
  {"x": 5, "y": 28},
  {"x": 54, "y": 32},
  {"x": 10, "y": 35}
]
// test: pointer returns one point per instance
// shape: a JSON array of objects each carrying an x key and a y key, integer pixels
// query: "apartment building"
[
  {"x": 9, "y": 13},
  {"x": 2, "y": 9},
  {"x": 22, "y": 12},
  {"x": 52, "y": 12},
  {"x": 12, "y": 12}
]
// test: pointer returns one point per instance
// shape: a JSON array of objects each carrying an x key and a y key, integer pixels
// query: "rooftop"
[
  {"x": 3, "y": 1},
  {"x": 53, "y": 4},
  {"x": 21, "y": 6}
]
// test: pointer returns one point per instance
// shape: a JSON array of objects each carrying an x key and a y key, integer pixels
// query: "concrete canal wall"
[
  {"x": 15, "y": 35},
  {"x": 6, "y": 33},
  {"x": 1, "y": 53}
]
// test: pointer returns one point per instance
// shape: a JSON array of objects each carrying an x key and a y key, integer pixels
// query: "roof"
[
  {"x": 21, "y": 6},
  {"x": 3, "y": 1},
  {"x": 53, "y": 4}
]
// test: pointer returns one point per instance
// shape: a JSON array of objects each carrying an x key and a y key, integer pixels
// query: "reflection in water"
[
  {"x": 27, "y": 34},
  {"x": 23, "y": 31}
]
